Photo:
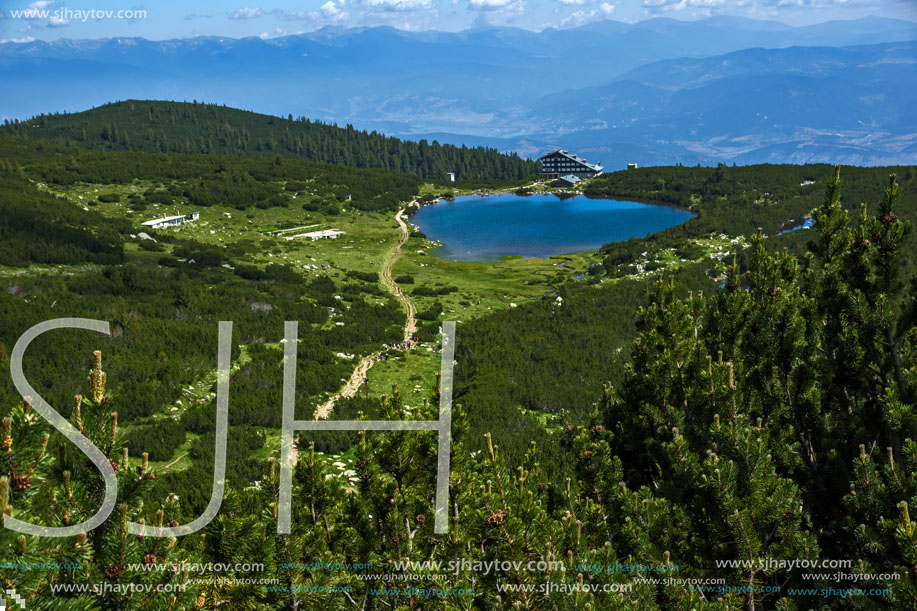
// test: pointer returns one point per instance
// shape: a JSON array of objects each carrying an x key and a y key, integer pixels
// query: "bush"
[
  {"x": 426, "y": 291},
  {"x": 151, "y": 246},
  {"x": 159, "y": 440},
  {"x": 364, "y": 276},
  {"x": 208, "y": 256},
  {"x": 282, "y": 273},
  {"x": 432, "y": 313},
  {"x": 249, "y": 272},
  {"x": 405, "y": 279},
  {"x": 158, "y": 197},
  {"x": 109, "y": 198}
]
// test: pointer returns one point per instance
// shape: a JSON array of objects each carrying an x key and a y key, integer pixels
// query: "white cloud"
[
  {"x": 488, "y": 5},
  {"x": 245, "y": 13},
  {"x": 400, "y": 5},
  {"x": 582, "y": 17},
  {"x": 577, "y": 2},
  {"x": 496, "y": 12},
  {"x": 333, "y": 11},
  {"x": 43, "y": 11},
  {"x": 278, "y": 32},
  {"x": 20, "y": 40},
  {"x": 296, "y": 16},
  {"x": 661, "y": 6}
]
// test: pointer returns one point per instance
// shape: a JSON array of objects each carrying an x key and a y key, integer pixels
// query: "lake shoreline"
[
  {"x": 540, "y": 233},
  {"x": 643, "y": 200}
]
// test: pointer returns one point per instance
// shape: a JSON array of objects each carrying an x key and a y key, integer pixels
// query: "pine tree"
[{"x": 122, "y": 571}]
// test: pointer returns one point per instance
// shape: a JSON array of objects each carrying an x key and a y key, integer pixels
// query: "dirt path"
[
  {"x": 166, "y": 468},
  {"x": 410, "y": 327}
]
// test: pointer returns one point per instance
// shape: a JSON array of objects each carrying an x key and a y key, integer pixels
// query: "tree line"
[{"x": 210, "y": 129}]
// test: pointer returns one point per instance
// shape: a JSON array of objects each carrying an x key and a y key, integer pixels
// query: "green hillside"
[
  {"x": 662, "y": 427},
  {"x": 181, "y": 127}
]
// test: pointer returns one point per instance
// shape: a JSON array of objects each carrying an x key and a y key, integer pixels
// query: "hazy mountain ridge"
[
  {"x": 657, "y": 89},
  {"x": 850, "y": 105}
]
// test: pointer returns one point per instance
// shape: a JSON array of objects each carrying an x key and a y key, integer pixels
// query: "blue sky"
[{"x": 163, "y": 19}]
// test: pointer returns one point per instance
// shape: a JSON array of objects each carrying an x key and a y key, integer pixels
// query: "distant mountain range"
[
  {"x": 658, "y": 91},
  {"x": 802, "y": 104}
]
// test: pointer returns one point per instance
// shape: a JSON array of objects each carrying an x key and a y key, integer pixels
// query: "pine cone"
[
  {"x": 598, "y": 428},
  {"x": 21, "y": 482},
  {"x": 173, "y": 523},
  {"x": 394, "y": 541},
  {"x": 360, "y": 465},
  {"x": 421, "y": 518},
  {"x": 587, "y": 454},
  {"x": 149, "y": 559},
  {"x": 114, "y": 571},
  {"x": 496, "y": 518}
]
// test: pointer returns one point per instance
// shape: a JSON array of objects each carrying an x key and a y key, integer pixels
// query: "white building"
[
  {"x": 570, "y": 180},
  {"x": 450, "y": 176},
  {"x": 563, "y": 162},
  {"x": 171, "y": 221},
  {"x": 331, "y": 234}
]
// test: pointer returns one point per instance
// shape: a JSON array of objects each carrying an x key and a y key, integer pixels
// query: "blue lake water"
[
  {"x": 474, "y": 228},
  {"x": 807, "y": 224}
]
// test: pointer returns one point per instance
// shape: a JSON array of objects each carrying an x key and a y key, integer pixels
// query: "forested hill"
[{"x": 181, "y": 127}]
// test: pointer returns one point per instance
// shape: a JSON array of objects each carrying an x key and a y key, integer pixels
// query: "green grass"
[
  {"x": 368, "y": 236},
  {"x": 483, "y": 287},
  {"x": 179, "y": 461},
  {"x": 249, "y": 237},
  {"x": 414, "y": 372}
]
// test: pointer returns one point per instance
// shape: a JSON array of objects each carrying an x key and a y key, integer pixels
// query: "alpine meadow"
[{"x": 338, "y": 307}]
